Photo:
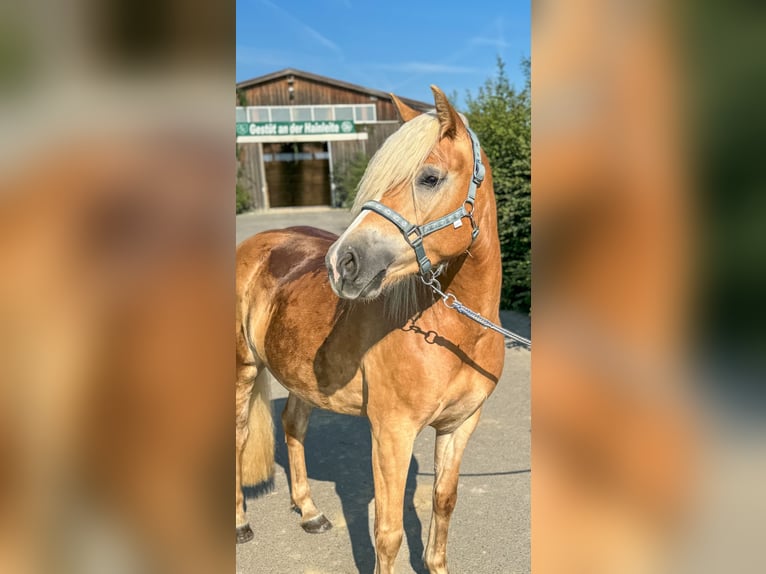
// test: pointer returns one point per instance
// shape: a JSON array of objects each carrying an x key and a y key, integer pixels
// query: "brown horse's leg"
[
  {"x": 391, "y": 452},
  {"x": 245, "y": 382},
  {"x": 295, "y": 420},
  {"x": 447, "y": 456}
]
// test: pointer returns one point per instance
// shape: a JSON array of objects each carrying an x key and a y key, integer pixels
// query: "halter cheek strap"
[{"x": 414, "y": 234}]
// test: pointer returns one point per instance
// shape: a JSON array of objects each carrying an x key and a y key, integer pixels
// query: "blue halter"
[{"x": 414, "y": 234}]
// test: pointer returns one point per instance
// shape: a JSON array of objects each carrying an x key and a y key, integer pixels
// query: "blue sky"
[{"x": 399, "y": 47}]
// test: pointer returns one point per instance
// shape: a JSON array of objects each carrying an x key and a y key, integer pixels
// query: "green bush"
[
  {"x": 244, "y": 201},
  {"x": 346, "y": 179},
  {"x": 501, "y": 118}
]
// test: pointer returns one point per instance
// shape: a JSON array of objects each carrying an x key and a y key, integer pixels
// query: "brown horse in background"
[{"x": 345, "y": 324}]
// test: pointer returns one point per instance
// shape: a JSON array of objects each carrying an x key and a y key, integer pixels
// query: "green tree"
[
  {"x": 501, "y": 117},
  {"x": 243, "y": 201},
  {"x": 347, "y": 178}
]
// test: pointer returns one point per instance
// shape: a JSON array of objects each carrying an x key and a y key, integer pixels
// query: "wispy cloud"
[
  {"x": 426, "y": 68},
  {"x": 496, "y": 42},
  {"x": 313, "y": 33},
  {"x": 497, "y": 39}
]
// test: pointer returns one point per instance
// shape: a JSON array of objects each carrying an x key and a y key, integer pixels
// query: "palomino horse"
[{"x": 345, "y": 324}]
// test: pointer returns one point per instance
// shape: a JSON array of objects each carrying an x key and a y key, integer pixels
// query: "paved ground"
[{"x": 490, "y": 527}]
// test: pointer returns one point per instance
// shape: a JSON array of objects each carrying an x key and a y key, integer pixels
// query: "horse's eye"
[{"x": 429, "y": 180}]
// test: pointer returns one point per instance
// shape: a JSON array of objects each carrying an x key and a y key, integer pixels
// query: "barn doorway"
[{"x": 298, "y": 174}]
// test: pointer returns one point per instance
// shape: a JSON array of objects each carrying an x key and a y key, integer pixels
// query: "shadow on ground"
[{"x": 338, "y": 450}]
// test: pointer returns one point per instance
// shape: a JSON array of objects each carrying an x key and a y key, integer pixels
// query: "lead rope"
[{"x": 451, "y": 302}]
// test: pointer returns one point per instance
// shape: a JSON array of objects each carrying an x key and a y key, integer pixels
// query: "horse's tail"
[{"x": 258, "y": 453}]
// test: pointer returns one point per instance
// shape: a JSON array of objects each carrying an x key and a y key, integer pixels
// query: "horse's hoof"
[
  {"x": 244, "y": 534},
  {"x": 317, "y": 524}
]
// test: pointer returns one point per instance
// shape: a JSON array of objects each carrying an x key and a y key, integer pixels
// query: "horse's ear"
[
  {"x": 405, "y": 111},
  {"x": 449, "y": 120}
]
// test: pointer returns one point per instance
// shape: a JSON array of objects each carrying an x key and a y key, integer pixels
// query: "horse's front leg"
[
  {"x": 295, "y": 420},
  {"x": 391, "y": 451},
  {"x": 447, "y": 456}
]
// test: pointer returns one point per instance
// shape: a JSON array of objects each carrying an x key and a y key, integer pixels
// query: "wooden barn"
[{"x": 297, "y": 131}]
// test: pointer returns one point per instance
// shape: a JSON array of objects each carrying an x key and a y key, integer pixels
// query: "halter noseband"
[{"x": 414, "y": 234}]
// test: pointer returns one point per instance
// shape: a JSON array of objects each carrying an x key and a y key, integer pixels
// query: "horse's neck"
[{"x": 475, "y": 277}]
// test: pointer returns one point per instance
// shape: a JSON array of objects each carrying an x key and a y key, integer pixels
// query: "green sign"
[{"x": 295, "y": 128}]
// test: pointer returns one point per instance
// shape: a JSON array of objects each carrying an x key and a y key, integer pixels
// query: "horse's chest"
[{"x": 439, "y": 381}]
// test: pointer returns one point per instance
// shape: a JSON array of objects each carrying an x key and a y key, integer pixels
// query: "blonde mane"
[{"x": 398, "y": 159}]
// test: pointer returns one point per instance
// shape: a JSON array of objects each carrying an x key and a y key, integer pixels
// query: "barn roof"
[{"x": 417, "y": 104}]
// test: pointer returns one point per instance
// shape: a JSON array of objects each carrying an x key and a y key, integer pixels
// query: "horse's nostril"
[{"x": 349, "y": 265}]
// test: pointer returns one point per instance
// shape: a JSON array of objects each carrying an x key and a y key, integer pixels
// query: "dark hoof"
[
  {"x": 244, "y": 534},
  {"x": 317, "y": 524}
]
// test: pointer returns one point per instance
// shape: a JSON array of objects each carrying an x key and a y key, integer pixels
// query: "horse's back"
[
  {"x": 284, "y": 250},
  {"x": 271, "y": 258}
]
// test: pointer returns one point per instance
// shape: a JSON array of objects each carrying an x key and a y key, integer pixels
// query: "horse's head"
[{"x": 421, "y": 174}]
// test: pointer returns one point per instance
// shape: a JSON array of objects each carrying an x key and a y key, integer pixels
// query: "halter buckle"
[{"x": 417, "y": 232}]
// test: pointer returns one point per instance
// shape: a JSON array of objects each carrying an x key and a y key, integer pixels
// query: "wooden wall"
[
  {"x": 377, "y": 134},
  {"x": 343, "y": 152}
]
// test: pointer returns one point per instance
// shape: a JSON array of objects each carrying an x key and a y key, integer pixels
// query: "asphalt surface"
[{"x": 490, "y": 528}]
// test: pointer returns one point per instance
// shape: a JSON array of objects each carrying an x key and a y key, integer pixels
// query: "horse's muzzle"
[{"x": 356, "y": 270}]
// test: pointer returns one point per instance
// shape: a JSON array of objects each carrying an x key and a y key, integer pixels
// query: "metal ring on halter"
[
  {"x": 447, "y": 303},
  {"x": 429, "y": 280}
]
